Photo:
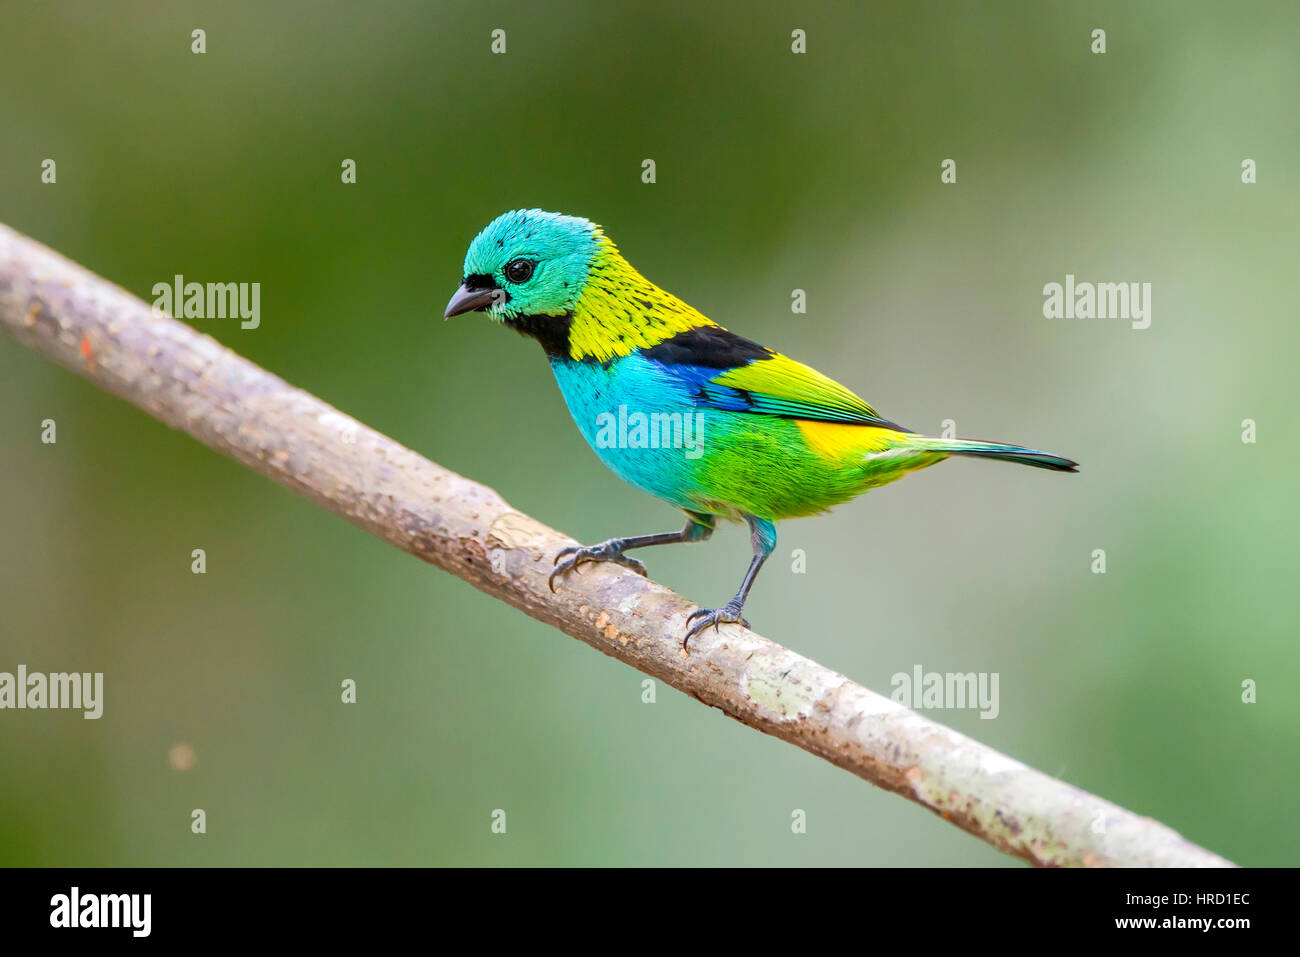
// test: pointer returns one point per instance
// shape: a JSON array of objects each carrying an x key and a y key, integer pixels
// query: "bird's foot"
[
  {"x": 704, "y": 617},
  {"x": 610, "y": 551}
]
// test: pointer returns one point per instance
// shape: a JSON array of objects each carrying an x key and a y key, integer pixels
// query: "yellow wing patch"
[
  {"x": 839, "y": 441},
  {"x": 784, "y": 378}
]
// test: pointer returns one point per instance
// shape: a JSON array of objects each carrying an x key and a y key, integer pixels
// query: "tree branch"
[{"x": 193, "y": 383}]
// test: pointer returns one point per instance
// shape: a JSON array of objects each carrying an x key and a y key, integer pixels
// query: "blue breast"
[{"x": 642, "y": 422}]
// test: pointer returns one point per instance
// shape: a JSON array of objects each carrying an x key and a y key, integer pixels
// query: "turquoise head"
[{"x": 527, "y": 262}]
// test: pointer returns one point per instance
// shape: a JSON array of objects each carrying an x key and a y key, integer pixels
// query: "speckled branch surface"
[{"x": 194, "y": 384}]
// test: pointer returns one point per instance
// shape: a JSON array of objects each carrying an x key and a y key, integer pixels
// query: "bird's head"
[{"x": 527, "y": 263}]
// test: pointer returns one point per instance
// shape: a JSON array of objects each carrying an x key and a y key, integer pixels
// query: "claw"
[
  {"x": 635, "y": 564},
  {"x": 711, "y": 617},
  {"x": 571, "y": 557},
  {"x": 559, "y": 570}
]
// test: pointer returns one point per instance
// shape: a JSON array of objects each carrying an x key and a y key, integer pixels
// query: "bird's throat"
[{"x": 551, "y": 331}]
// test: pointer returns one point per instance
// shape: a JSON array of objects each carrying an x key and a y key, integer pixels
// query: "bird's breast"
[{"x": 640, "y": 423}]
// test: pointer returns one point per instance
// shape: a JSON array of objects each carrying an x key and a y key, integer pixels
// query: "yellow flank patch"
[
  {"x": 620, "y": 310},
  {"x": 839, "y": 441}
]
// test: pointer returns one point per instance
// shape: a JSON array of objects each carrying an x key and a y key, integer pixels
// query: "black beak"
[{"x": 466, "y": 300}]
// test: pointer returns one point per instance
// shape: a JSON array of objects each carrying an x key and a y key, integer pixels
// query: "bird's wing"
[{"x": 727, "y": 371}]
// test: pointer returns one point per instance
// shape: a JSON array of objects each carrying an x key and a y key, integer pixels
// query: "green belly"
[{"x": 762, "y": 465}]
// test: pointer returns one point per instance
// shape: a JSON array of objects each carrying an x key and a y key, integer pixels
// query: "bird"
[{"x": 716, "y": 425}]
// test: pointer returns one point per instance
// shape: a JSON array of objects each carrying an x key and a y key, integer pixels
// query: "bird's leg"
[
  {"x": 698, "y": 527},
  {"x": 762, "y": 534}
]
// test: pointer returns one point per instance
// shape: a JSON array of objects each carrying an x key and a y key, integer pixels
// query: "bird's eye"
[{"x": 520, "y": 270}]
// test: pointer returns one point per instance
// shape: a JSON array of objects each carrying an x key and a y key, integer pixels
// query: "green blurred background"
[{"x": 775, "y": 171}]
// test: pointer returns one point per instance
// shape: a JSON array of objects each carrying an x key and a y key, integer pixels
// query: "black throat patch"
[{"x": 551, "y": 331}]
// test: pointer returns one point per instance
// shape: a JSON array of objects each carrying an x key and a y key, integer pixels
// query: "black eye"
[{"x": 520, "y": 270}]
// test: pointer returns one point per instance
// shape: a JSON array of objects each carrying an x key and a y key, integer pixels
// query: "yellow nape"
[
  {"x": 620, "y": 310},
  {"x": 840, "y": 441}
]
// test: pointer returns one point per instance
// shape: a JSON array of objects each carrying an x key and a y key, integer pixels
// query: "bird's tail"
[{"x": 997, "y": 450}]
